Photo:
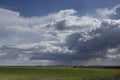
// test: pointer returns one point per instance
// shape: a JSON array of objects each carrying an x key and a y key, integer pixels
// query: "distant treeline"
[
  {"x": 74, "y": 66},
  {"x": 82, "y": 66},
  {"x": 108, "y": 67}
]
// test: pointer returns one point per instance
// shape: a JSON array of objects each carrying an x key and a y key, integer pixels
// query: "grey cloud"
[
  {"x": 8, "y": 53},
  {"x": 108, "y": 37},
  {"x": 60, "y": 58},
  {"x": 116, "y": 13},
  {"x": 60, "y": 25}
]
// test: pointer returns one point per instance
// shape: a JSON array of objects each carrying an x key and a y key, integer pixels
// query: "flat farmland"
[{"x": 55, "y": 73}]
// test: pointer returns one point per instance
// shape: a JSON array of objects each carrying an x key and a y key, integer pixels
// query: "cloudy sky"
[{"x": 59, "y": 32}]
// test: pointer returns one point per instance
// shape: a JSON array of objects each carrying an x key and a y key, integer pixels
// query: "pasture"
[{"x": 54, "y": 73}]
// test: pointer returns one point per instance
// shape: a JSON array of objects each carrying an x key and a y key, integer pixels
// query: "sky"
[{"x": 60, "y": 32}]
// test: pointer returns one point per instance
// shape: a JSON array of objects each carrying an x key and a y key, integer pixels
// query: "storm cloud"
[{"x": 60, "y": 38}]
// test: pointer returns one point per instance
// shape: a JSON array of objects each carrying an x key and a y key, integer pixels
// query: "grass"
[{"x": 54, "y": 73}]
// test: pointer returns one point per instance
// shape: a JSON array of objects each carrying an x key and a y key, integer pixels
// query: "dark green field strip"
[{"x": 54, "y": 72}]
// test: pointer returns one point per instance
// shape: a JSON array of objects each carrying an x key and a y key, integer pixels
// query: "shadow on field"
[{"x": 115, "y": 77}]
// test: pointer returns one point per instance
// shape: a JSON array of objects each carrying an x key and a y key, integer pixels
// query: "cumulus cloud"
[
  {"x": 113, "y": 13},
  {"x": 60, "y": 38}
]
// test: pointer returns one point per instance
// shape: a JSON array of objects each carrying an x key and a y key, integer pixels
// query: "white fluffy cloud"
[{"x": 59, "y": 37}]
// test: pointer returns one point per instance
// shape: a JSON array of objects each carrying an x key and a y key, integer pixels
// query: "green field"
[{"x": 54, "y": 73}]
